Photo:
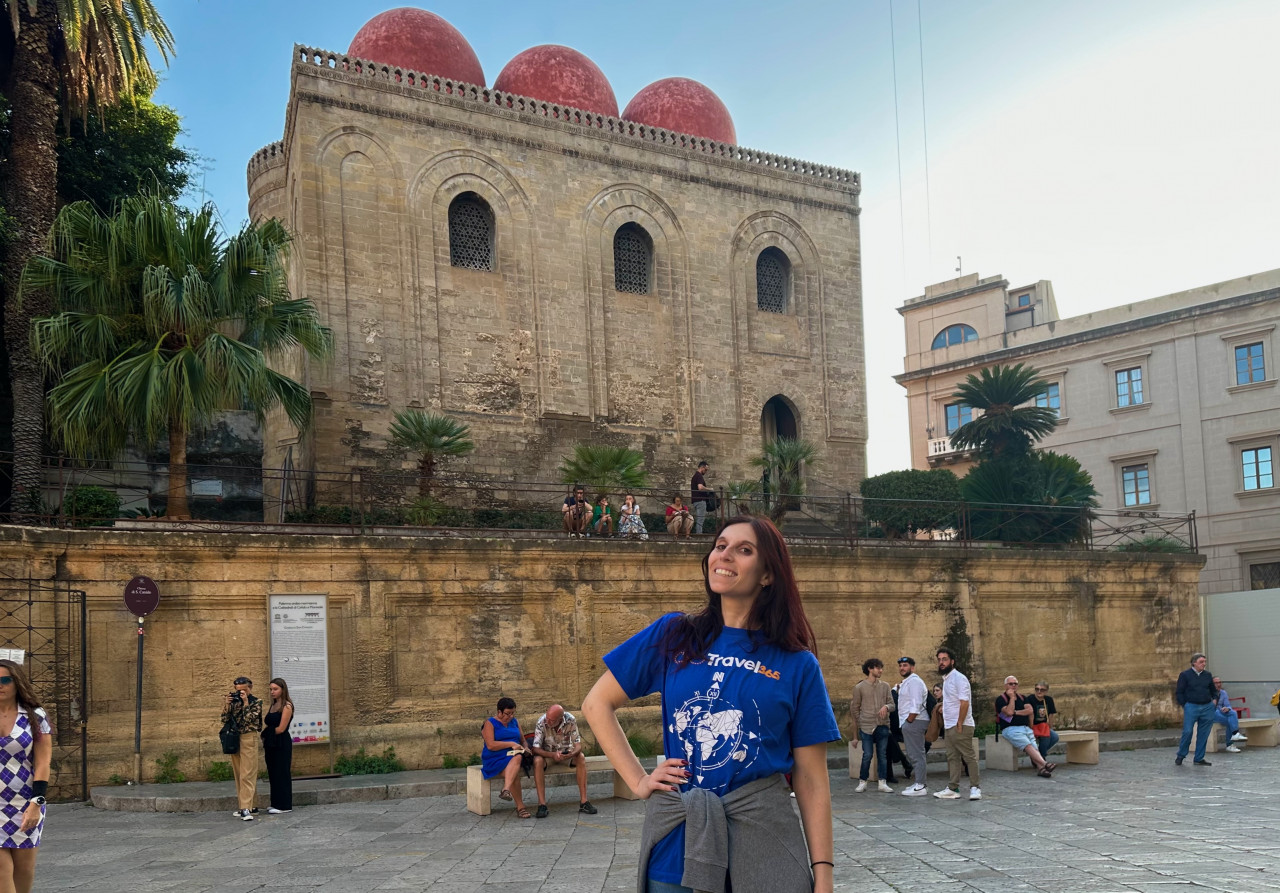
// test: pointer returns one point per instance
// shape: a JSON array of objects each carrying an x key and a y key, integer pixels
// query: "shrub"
[
  {"x": 643, "y": 745},
  {"x": 219, "y": 772},
  {"x": 452, "y": 762},
  {"x": 362, "y": 763},
  {"x": 91, "y": 506},
  {"x": 1154, "y": 543},
  {"x": 902, "y": 502},
  {"x": 984, "y": 730},
  {"x": 168, "y": 773},
  {"x": 116, "y": 778}
]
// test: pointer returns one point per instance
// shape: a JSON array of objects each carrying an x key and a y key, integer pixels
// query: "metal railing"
[{"x": 396, "y": 501}]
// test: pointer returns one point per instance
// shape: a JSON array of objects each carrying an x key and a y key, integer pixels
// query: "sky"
[{"x": 1123, "y": 149}]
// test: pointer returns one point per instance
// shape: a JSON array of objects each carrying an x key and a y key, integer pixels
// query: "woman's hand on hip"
[{"x": 666, "y": 777}]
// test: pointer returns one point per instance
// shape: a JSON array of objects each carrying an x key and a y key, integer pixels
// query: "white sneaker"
[
  {"x": 862, "y": 786},
  {"x": 246, "y": 816},
  {"x": 1239, "y": 737},
  {"x": 1234, "y": 749},
  {"x": 884, "y": 787},
  {"x": 916, "y": 790},
  {"x": 975, "y": 793},
  {"x": 947, "y": 794},
  {"x": 274, "y": 811}
]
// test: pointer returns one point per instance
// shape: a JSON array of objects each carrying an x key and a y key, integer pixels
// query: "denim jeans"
[
  {"x": 652, "y": 886},
  {"x": 1191, "y": 715},
  {"x": 1228, "y": 719},
  {"x": 699, "y": 515},
  {"x": 1046, "y": 744},
  {"x": 879, "y": 741}
]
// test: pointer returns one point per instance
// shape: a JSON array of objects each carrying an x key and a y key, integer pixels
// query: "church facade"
[{"x": 554, "y": 276}]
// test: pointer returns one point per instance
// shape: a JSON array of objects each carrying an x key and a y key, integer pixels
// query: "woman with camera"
[
  {"x": 26, "y": 749},
  {"x": 244, "y": 713},
  {"x": 277, "y": 747}
]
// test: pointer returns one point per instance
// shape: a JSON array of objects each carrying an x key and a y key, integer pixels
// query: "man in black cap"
[{"x": 914, "y": 719}]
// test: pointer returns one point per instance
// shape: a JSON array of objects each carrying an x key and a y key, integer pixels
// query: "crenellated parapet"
[
  {"x": 266, "y": 177},
  {"x": 309, "y": 57},
  {"x": 269, "y": 156}
]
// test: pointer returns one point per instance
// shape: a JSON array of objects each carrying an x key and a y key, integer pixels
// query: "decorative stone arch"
[
  {"x": 795, "y": 331},
  {"x": 779, "y": 417},
  {"x": 361, "y": 290},
  {"x": 438, "y": 182},
  {"x": 636, "y": 389}
]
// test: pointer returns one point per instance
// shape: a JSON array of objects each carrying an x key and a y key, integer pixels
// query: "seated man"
[
  {"x": 1042, "y": 719},
  {"x": 1226, "y": 714},
  {"x": 602, "y": 518},
  {"x": 556, "y": 740},
  {"x": 576, "y": 512},
  {"x": 1013, "y": 716}
]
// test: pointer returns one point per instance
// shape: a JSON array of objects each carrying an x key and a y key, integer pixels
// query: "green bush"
[
  {"x": 902, "y": 502},
  {"x": 984, "y": 730},
  {"x": 452, "y": 762},
  {"x": 116, "y": 778},
  {"x": 643, "y": 745},
  {"x": 219, "y": 772},
  {"x": 91, "y": 506},
  {"x": 1154, "y": 543},
  {"x": 341, "y": 514},
  {"x": 362, "y": 763},
  {"x": 168, "y": 772}
]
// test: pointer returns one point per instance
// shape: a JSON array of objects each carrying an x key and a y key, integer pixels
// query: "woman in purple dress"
[{"x": 25, "y": 749}]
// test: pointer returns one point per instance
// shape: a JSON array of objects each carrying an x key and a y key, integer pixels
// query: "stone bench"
[
  {"x": 1261, "y": 732},
  {"x": 480, "y": 789},
  {"x": 1081, "y": 744}
]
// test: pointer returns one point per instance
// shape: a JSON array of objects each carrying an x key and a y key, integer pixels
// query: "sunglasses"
[{"x": 6, "y": 680}]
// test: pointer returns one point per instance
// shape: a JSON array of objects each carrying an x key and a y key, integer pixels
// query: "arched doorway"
[{"x": 778, "y": 419}]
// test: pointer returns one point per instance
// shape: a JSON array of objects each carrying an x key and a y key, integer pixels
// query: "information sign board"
[{"x": 300, "y": 656}]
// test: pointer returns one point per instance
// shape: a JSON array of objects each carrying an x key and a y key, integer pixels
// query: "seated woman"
[
  {"x": 679, "y": 520},
  {"x": 1013, "y": 715},
  {"x": 632, "y": 525},
  {"x": 602, "y": 518},
  {"x": 503, "y": 748}
]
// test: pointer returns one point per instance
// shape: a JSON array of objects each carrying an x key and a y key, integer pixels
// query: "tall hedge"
[{"x": 903, "y": 502}]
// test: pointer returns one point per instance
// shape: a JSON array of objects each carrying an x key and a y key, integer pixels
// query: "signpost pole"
[{"x": 137, "y": 716}]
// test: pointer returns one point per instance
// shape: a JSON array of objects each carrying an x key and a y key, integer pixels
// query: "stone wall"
[
  {"x": 427, "y": 632},
  {"x": 542, "y": 352}
]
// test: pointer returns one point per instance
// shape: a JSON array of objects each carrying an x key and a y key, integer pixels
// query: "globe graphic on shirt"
[{"x": 710, "y": 729}]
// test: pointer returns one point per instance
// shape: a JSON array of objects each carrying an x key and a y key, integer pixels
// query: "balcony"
[{"x": 941, "y": 452}]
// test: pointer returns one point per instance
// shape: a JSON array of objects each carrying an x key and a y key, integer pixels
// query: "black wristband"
[
  {"x": 823, "y": 862},
  {"x": 39, "y": 788}
]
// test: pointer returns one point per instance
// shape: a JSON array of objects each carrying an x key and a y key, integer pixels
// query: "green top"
[{"x": 595, "y": 514}]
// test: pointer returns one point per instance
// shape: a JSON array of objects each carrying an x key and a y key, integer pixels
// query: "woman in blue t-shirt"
[{"x": 743, "y": 702}]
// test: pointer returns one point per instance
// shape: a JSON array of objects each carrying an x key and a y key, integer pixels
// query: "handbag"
[
  {"x": 934, "y": 732},
  {"x": 230, "y": 737},
  {"x": 1041, "y": 730}
]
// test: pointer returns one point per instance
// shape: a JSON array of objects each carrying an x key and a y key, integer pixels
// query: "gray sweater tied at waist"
[{"x": 751, "y": 832}]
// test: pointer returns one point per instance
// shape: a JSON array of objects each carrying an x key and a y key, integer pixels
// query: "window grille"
[
  {"x": 1264, "y": 576},
  {"x": 470, "y": 233},
  {"x": 632, "y": 259},
  {"x": 773, "y": 281}
]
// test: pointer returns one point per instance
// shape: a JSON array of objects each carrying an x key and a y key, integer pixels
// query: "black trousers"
[{"x": 279, "y": 757}]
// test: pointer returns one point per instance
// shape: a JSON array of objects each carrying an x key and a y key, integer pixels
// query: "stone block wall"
[{"x": 427, "y": 632}]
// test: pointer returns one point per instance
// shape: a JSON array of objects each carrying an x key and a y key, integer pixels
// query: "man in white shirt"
[
  {"x": 957, "y": 719},
  {"x": 914, "y": 721}
]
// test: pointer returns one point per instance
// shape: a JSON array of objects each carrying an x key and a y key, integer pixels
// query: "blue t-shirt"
[{"x": 735, "y": 716}]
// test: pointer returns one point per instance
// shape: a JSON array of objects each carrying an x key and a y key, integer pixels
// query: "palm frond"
[{"x": 604, "y": 468}]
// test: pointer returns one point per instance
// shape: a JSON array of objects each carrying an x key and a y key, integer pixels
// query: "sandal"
[
  {"x": 524, "y": 813},
  {"x": 505, "y": 795},
  {"x": 1044, "y": 772},
  {"x": 1051, "y": 767}
]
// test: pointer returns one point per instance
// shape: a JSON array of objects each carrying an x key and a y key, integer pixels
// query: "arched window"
[
  {"x": 470, "y": 233},
  {"x": 773, "y": 281},
  {"x": 632, "y": 259},
  {"x": 957, "y": 334}
]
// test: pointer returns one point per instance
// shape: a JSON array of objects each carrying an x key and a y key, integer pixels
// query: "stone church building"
[{"x": 553, "y": 272}]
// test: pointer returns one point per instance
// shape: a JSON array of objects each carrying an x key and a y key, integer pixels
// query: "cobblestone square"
[{"x": 1135, "y": 822}]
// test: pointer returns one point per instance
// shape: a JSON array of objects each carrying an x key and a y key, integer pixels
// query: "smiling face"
[{"x": 734, "y": 568}]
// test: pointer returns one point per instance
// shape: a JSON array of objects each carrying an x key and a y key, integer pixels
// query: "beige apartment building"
[{"x": 1170, "y": 403}]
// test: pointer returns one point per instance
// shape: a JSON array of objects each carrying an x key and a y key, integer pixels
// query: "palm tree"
[
  {"x": 784, "y": 460},
  {"x": 160, "y": 322},
  {"x": 1007, "y": 427},
  {"x": 82, "y": 51},
  {"x": 604, "y": 468},
  {"x": 433, "y": 436}
]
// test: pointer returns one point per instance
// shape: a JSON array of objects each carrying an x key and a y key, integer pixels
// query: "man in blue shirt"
[{"x": 1196, "y": 696}]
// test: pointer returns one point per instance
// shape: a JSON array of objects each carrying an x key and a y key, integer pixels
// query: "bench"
[
  {"x": 480, "y": 789},
  {"x": 1082, "y": 747},
  {"x": 1261, "y": 732}
]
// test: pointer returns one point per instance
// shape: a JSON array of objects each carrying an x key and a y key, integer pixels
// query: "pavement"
[{"x": 1134, "y": 822}]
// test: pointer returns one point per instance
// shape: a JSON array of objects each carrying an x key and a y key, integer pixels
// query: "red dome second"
[
  {"x": 685, "y": 106},
  {"x": 560, "y": 75}
]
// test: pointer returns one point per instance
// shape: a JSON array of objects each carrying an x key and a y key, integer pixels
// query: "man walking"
[
  {"x": 699, "y": 495},
  {"x": 869, "y": 710},
  {"x": 957, "y": 720},
  {"x": 1196, "y": 696},
  {"x": 913, "y": 718}
]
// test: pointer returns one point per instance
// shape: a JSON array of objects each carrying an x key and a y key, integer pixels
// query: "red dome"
[
  {"x": 684, "y": 106},
  {"x": 561, "y": 75},
  {"x": 420, "y": 41}
]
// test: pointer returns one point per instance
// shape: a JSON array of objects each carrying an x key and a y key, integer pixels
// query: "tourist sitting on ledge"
[
  {"x": 679, "y": 519},
  {"x": 602, "y": 518},
  {"x": 1013, "y": 715},
  {"x": 1226, "y": 715},
  {"x": 503, "y": 752},
  {"x": 576, "y": 512},
  {"x": 632, "y": 525}
]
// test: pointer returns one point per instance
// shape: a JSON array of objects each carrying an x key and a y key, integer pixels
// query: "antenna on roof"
[{"x": 958, "y": 264}]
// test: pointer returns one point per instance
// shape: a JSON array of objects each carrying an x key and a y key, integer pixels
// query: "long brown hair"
[
  {"x": 777, "y": 615},
  {"x": 284, "y": 691},
  {"x": 26, "y": 695}
]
